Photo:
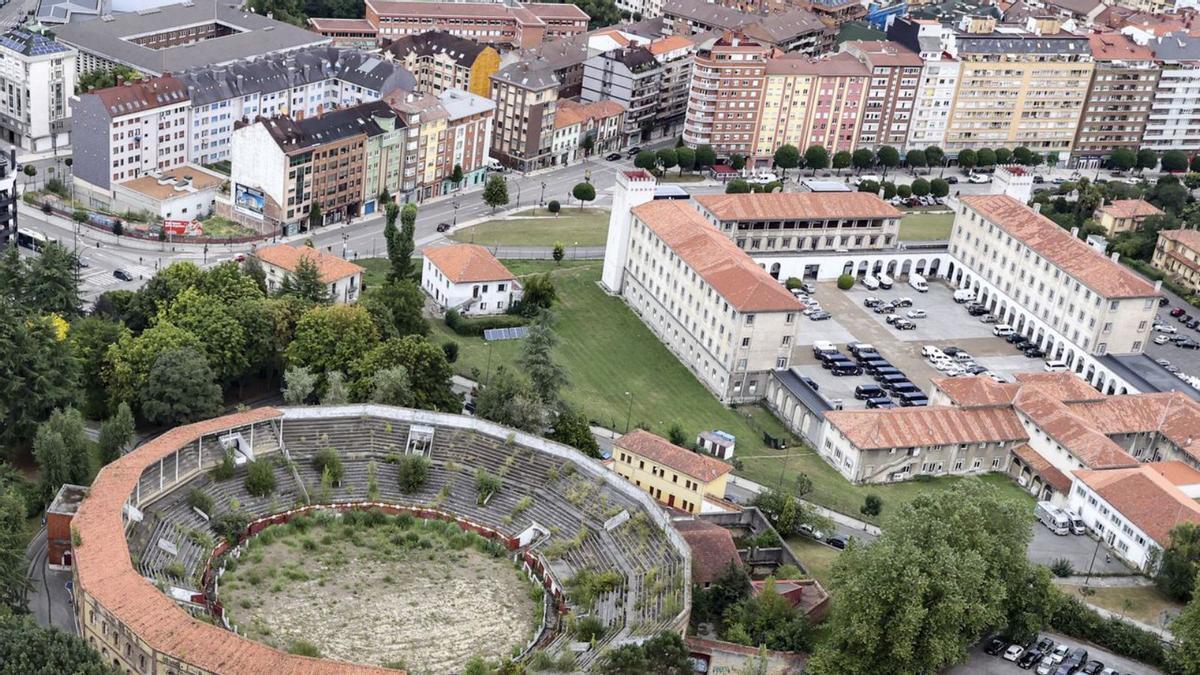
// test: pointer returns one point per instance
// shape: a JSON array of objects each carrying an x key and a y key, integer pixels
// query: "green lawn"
[
  {"x": 1142, "y": 603},
  {"x": 538, "y": 227},
  {"x": 926, "y": 226},
  {"x": 607, "y": 352},
  {"x": 216, "y": 226},
  {"x": 818, "y": 558}
]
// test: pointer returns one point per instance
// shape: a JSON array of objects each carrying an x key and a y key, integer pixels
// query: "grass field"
[
  {"x": 926, "y": 226},
  {"x": 607, "y": 352},
  {"x": 538, "y": 227},
  {"x": 1142, "y": 603},
  {"x": 817, "y": 558}
]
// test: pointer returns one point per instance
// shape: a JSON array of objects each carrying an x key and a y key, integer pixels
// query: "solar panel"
[{"x": 499, "y": 334}]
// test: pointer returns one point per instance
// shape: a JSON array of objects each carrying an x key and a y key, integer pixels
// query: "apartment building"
[
  {"x": 574, "y": 123},
  {"x": 526, "y": 93},
  {"x": 37, "y": 76},
  {"x": 512, "y": 25},
  {"x": 563, "y": 58},
  {"x": 1119, "y": 99},
  {"x": 892, "y": 92},
  {"x": 1174, "y": 122},
  {"x": 1047, "y": 283},
  {"x": 834, "y": 113},
  {"x": 790, "y": 29},
  {"x": 726, "y": 94},
  {"x": 441, "y": 61},
  {"x": 128, "y": 131},
  {"x": 802, "y": 221},
  {"x": 284, "y": 168},
  {"x": 391, "y": 159},
  {"x": 720, "y": 313},
  {"x": 1177, "y": 253},
  {"x": 630, "y": 76},
  {"x": 432, "y": 121},
  {"x": 1018, "y": 85},
  {"x": 469, "y": 122},
  {"x": 674, "y": 476},
  {"x": 938, "y": 80},
  {"x": 300, "y": 84}
]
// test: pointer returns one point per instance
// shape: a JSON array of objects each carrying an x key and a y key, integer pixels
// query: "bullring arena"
[{"x": 148, "y": 563}]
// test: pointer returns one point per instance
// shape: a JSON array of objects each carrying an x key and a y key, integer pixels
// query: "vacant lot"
[
  {"x": 817, "y": 557},
  {"x": 539, "y": 227},
  {"x": 1141, "y": 603},
  {"x": 423, "y": 596},
  {"x": 926, "y": 226}
]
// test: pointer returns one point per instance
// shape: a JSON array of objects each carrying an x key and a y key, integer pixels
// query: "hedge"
[
  {"x": 463, "y": 326},
  {"x": 1077, "y": 620},
  {"x": 1158, "y": 275}
]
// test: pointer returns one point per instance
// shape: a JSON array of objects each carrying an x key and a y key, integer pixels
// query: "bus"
[{"x": 34, "y": 241}]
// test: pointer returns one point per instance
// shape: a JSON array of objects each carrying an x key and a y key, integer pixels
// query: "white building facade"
[
  {"x": 37, "y": 76},
  {"x": 467, "y": 278}
]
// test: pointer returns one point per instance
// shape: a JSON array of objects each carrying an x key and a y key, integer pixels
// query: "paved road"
[{"x": 48, "y": 598}]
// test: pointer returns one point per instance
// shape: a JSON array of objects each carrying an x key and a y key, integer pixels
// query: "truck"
[
  {"x": 1053, "y": 518},
  {"x": 918, "y": 283}
]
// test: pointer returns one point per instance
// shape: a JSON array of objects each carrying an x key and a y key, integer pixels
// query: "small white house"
[
  {"x": 717, "y": 443},
  {"x": 468, "y": 278},
  {"x": 343, "y": 278}
]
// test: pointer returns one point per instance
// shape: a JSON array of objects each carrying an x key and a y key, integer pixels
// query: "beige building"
[
  {"x": 1119, "y": 100},
  {"x": 1047, "y": 284},
  {"x": 717, "y": 310},
  {"x": 526, "y": 96},
  {"x": 1123, "y": 215},
  {"x": 1178, "y": 254},
  {"x": 1018, "y": 86},
  {"x": 803, "y": 221},
  {"x": 343, "y": 277},
  {"x": 675, "y": 476}
]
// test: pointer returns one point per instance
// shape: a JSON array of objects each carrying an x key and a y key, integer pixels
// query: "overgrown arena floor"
[{"x": 379, "y": 590}]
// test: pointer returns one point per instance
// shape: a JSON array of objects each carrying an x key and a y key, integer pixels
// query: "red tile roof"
[
  {"x": 1115, "y": 46},
  {"x": 712, "y": 549},
  {"x": 1042, "y": 467},
  {"x": 1189, "y": 238},
  {"x": 1066, "y": 387},
  {"x": 140, "y": 95},
  {"x": 784, "y": 205},
  {"x": 885, "y": 53},
  {"x": 1096, "y": 271},
  {"x": 727, "y": 268},
  {"x": 658, "y": 449},
  {"x": 926, "y": 426},
  {"x": 669, "y": 44},
  {"x": 1130, "y": 208},
  {"x": 1177, "y": 472},
  {"x": 1172, "y": 414},
  {"x": 1080, "y": 438},
  {"x": 342, "y": 24},
  {"x": 976, "y": 391},
  {"x": 1144, "y": 497},
  {"x": 106, "y": 573},
  {"x": 288, "y": 257},
  {"x": 467, "y": 263}
]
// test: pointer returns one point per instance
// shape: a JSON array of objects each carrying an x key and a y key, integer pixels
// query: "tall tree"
[
  {"x": 841, "y": 160},
  {"x": 305, "y": 283},
  {"x": 645, "y": 159},
  {"x": 1185, "y": 657},
  {"x": 509, "y": 400},
  {"x": 50, "y": 285},
  {"x": 571, "y": 427},
  {"x": 967, "y": 159},
  {"x": 90, "y": 338},
  {"x": 14, "y": 537},
  {"x": 13, "y": 272},
  {"x": 391, "y": 386},
  {"x": 1022, "y": 155},
  {"x": 456, "y": 176},
  {"x": 495, "y": 192},
  {"x": 228, "y": 282},
  {"x": 786, "y": 157},
  {"x": 180, "y": 389},
  {"x": 737, "y": 161},
  {"x": 1146, "y": 159},
  {"x": 397, "y": 308},
  {"x": 862, "y": 158},
  {"x": 332, "y": 337},
  {"x": 299, "y": 384},
  {"x": 391, "y": 234},
  {"x": 29, "y": 649},
  {"x": 402, "y": 266},
  {"x": 887, "y": 157},
  {"x": 38, "y": 373},
  {"x": 219, "y": 332},
  {"x": 934, "y": 155},
  {"x": 686, "y": 158},
  {"x": 666, "y": 158},
  {"x": 916, "y": 159},
  {"x": 1174, "y": 160},
  {"x": 1003, "y": 155},
  {"x": 705, "y": 156},
  {"x": 816, "y": 158},
  {"x": 1177, "y": 569},
  {"x": 62, "y": 452},
  {"x": 116, "y": 433},
  {"x": 986, "y": 157},
  {"x": 584, "y": 192},
  {"x": 428, "y": 370},
  {"x": 335, "y": 389},
  {"x": 537, "y": 359}
]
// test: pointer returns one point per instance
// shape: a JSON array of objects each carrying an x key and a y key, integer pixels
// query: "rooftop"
[
  {"x": 926, "y": 426},
  {"x": 703, "y": 468},
  {"x": 459, "y": 103},
  {"x": 288, "y": 257},
  {"x": 1117, "y": 47},
  {"x": 174, "y": 182},
  {"x": 727, "y": 268},
  {"x": 1177, "y": 472},
  {"x": 884, "y": 53},
  {"x": 841, "y": 64},
  {"x": 341, "y": 24},
  {"x": 712, "y": 549},
  {"x": 467, "y": 263},
  {"x": 27, "y": 42},
  {"x": 1130, "y": 208},
  {"x": 1091, "y": 268},
  {"x": 1042, "y": 466},
  {"x": 1189, "y": 238},
  {"x": 140, "y": 95},
  {"x": 796, "y": 205},
  {"x": 437, "y": 42},
  {"x": 250, "y": 35},
  {"x": 1145, "y": 497},
  {"x": 294, "y": 135},
  {"x": 68, "y": 499}
]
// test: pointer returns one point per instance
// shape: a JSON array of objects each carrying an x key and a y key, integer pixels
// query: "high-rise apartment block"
[{"x": 37, "y": 76}]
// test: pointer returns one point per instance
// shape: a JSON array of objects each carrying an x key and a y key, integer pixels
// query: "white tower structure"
[{"x": 632, "y": 189}]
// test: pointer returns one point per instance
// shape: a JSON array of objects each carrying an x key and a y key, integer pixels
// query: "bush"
[
  {"x": 224, "y": 470},
  {"x": 260, "y": 478},
  {"x": 485, "y": 485},
  {"x": 413, "y": 470},
  {"x": 554, "y": 207},
  {"x": 793, "y": 283},
  {"x": 589, "y": 628},
  {"x": 1077, "y": 620},
  {"x": 328, "y": 459},
  {"x": 176, "y": 570},
  {"x": 845, "y": 282},
  {"x": 869, "y": 186},
  {"x": 59, "y": 188},
  {"x": 199, "y": 499},
  {"x": 1061, "y": 567},
  {"x": 304, "y": 648},
  {"x": 872, "y": 505},
  {"x": 475, "y": 327},
  {"x": 450, "y": 349},
  {"x": 231, "y": 525}
]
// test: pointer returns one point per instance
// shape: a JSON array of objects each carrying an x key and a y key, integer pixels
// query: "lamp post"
[
  {"x": 455, "y": 205},
  {"x": 345, "y": 238},
  {"x": 518, "y": 195},
  {"x": 629, "y": 411},
  {"x": 542, "y": 197}
]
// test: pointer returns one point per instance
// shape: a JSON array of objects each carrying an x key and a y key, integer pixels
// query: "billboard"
[
  {"x": 249, "y": 200},
  {"x": 176, "y": 227}
]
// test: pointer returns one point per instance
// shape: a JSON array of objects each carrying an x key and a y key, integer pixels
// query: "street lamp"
[
  {"x": 542, "y": 197},
  {"x": 345, "y": 238},
  {"x": 629, "y": 412},
  {"x": 455, "y": 205},
  {"x": 518, "y": 195}
]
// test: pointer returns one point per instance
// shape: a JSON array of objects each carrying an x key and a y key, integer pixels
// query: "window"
[
  {"x": 781, "y": 362},
  {"x": 787, "y": 341},
  {"x": 995, "y": 463},
  {"x": 745, "y": 342}
]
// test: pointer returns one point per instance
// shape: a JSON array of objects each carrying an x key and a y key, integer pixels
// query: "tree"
[
  {"x": 572, "y": 428},
  {"x": 328, "y": 461},
  {"x": 967, "y": 159},
  {"x": 737, "y": 162},
  {"x": 816, "y": 158},
  {"x": 315, "y": 217},
  {"x": 559, "y": 252},
  {"x": 553, "y": 206},
  {"x": 986, "y": 156},
  {"x": 769, "y": 620},
  {"x": 231, "y": 283},
  {"x": 397, "y": 308},
  {"x": 869, "y": 186},
  {"x": 1177, "y": 567},
  {"x": 667, "y": 158},
  {"x": 511, "y": 401},
  {"x": 939, "y": 187},
  {"x": 584, "y": 192},
  {"x": 934, "y": 156},
  {"x": 916, "y": 159},
  {"x": 299, "y": 384},
  {"x": 220, "y": 334},
  {"x": 872, "y": 505},
  {"x": 588, "y": 144},
  {"x": 129, "y": 361},
  {"x": 862, "y": 159},
  {"x": 841, "y": 160},
  {"x": 709, "y": 605},
  {"x": 30, "y": 171},
  {"x": 705, "y": 156},
  {"x": 1185, "y": 657},
  {"x": 61, "y": 450},
  {"x": 948, "y": 568},
  {"x": 645, "y": 159},
  {"x": 920, "y": 187},
  {"x": 677, "y": 435},
  {"x": 332, "y": 337},
  {"x": 456, "y": 176},
  {"x": 425, "y": 363},
  {"x": 401, "y": 256},
  {"x": 13, "y": 271},
  {"x": 887, "y": 157},
  {"x": 539, "y": 293},
  {"x": 391, "y": 386},
  {"x": 305, "y": 283},
  {"x": 49, "y": 284},
  {"x": 260, "y": 478},
  {"x": 335, "y": 389},
  {"x": 103, "y": 79},
  {"x": 686, "y": 158},
  {"x": 116, "y": 433},
  {"x": 786, "y": 512},
  {"x": 89, "y": 340},
  {"x": 14, "y": 537},
  {"x": 1052, "y": 160},
  {"x": 787, "y": 157},
  {"x": 1174, "y": 161},
  {"x": 1122, "y": 159},
  {"x": 391, "y": 235},
  {"x": 29, "y": 649},
  {"x": 663, "y": 654},
  {"x": 547, "y": 377},
  {"x": 737, "y": 186},
  {"x": 1170, "y": 196},
  {"x": 38, "y": 373},
  {"x": 1003, "y": 155},
  {"x": 180, "y": 389},
  {"x": 1146, "y": 159},
  {"x": 495, "y": 192}
]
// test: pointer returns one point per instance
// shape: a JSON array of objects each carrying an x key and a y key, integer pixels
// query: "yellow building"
[
  {"x": 1178, "y": 254},
  {"x": 1123, "y": 215},
  {"x": 441, "y": 61},
  {"x": 673, "y": 475},
  {"x": 1018, "y": 85}
]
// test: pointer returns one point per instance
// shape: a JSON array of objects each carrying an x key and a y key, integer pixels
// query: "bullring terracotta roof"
[
  {"x": 926, "y": 426},
  {"x": 658, "y": 449}
]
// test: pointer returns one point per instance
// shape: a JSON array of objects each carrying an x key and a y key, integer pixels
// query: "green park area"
[
  {"x": 926, "y": 226},
  {"x": 607, "y": 352},
  {"x": 538, "y": 227}
]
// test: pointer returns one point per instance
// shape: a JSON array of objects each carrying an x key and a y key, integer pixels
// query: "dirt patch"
[{"x": 413, "y": 597}]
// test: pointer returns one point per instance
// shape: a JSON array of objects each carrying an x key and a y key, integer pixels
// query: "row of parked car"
[
  {"x": 952, "y": 361},
  {"x": 1169, "y": 333},
  {"x": 812, "y": 306},
  {"x": 891, "y": 388},
  {"x": 1023, "y": 344},
  {"x": 1048, "y": 657}
]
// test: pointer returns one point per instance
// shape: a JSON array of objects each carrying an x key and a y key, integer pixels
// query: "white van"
[
  {"x": 867, "y": 176},
  {"x": 885, "y": 282},
  {"x": 494, "y": 164},
  {"x": 823, "y": 347},
  {"x": 1055, "y": 520},
  {"x": 1056, "y": 366},
  {"x": 918, "y": 283},
  {"x": 870, "y": 283},
  {"x": 1077, "y": 526},
  {"x": 1003, "y": 330},
  {"x": 963, "y": 295}
]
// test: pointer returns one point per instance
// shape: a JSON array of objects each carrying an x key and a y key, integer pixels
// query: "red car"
[{"x": 1177, "y": 312}]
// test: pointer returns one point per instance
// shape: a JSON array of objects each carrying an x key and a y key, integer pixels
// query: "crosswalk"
[{"x": 104, "y": 279}]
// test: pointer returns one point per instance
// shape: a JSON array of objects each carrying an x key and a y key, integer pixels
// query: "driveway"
[{"x": 1046, "y": 547}]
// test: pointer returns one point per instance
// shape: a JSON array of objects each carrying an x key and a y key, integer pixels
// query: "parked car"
[
  {"x": 1033, "y": 352},
  {"x": 820, "y": 316},
  {"x": 1178, "y": 311},
  {"x": 864, "y": 392},
  {"x": 1013, "y": 653},
  {"x": 977, "y": 310},
  {"x": 930, "y": 351},
  {"x": 979, "y": 178},
  {"x": 1092, "y": 667},
  {"x": 903, "y": 302},
  {"x": 953, "y": 180},
  {"x": 839, "y": 541},
  {"x": 632, "y": 152},
  {"x": 872, "y": 301},
  {"x": 904, "y": 324},
  {"x": 808, "y": 531},
  {"x": 1165, "y": 328},
  {"x": 1188, "y": 344},
  {"x": 613, "y": 157},
  {"x": 989, "y": 318},
  {"x": 443, "y": 227},
  {"x": 122, "y": 275},
  {"x": 1161, "y": 339},
  {"x": 881, "y": 402},
  {"x": 1039, "y": 179},
  {"x": 891, "y": 318},
  {"x": 916, "y": 314},
  {"x": 1059, "y": 653},
  {"x": 1047, "y": 666}
]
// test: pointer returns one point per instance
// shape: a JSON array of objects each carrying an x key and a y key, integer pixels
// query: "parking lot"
[
  {"x": 1186, "y": 360},
  {"x": 980, "y": 663},
  {"x": 1046, "y": 547},
  {"x": 946, "y": 323}
]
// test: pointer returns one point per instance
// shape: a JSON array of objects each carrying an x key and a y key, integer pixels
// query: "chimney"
[
  {"x": 1037, "y": 207},
  {"x": 1158, "y": 285},
  {"x": 1075, "y": 232},
  {"x": 1115, "y": 256}
]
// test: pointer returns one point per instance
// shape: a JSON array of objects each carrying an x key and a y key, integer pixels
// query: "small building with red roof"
[
  {"x": 675, "y": 476},
  {"x": 344, "y": 278},
  {"x": 469, "y": 279}
]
